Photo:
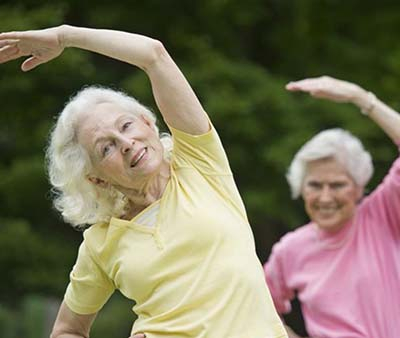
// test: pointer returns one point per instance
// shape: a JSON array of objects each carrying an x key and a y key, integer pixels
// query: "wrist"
[
  {"x": 365, "y": 101},
  {"x": 65, "y": 33},
  {"x": 369, "y": 104}
]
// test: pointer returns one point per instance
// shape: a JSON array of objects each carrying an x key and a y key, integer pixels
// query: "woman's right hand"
[{"x": 40, "y": 45}]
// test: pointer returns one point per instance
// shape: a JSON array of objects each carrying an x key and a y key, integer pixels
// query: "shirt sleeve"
[
  {"x": 202, "y": 152},
  {"x": 384, "y": 201},
  {"x": 89, "y": 287},
  {"x": 276, "y": 281}
]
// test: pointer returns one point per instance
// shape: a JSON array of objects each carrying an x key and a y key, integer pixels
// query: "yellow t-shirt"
[{"x": 195, "y": 273}]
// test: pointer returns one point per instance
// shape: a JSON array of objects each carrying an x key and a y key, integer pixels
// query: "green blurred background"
[{"x": 237, "y": 55}]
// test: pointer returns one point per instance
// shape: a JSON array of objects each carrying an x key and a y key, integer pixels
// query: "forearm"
[
  {"x": 75, "y": 331},
  {"x": 69, "y": 324},
  {"x": 384, "y": 116},
  {"x": 134, "y": 49}
]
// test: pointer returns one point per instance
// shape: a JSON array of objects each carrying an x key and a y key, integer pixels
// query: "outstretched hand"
[
  {"x": 40, "y": 45},
  {"x": 326, "y": 87}
]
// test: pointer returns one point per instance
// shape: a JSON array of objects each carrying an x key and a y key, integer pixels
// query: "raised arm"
[
  {"x": 175, "y": 98},
  {"x": 326, "y": 87}
]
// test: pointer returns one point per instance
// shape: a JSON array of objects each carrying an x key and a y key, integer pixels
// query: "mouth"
[
  {"x": 138, "y": 156},
  {"x": 327, "y": 211}
]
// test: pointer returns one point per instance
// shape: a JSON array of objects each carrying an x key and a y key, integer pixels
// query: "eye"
[
  {"x": 338, "y": 185},
  {"x": 314, "y": 185},
  {"x": 106, "y": 149},
  {"x": 126, "y": 125}
]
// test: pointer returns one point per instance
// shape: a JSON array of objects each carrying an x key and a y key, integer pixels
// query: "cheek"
[
  {"x": 109, "y": 165},
  {"x": 349, "y": 201},
  {"x": 309, "y": 201},
  {"x": 309, "y": 198},
  {"x": 158, "y": 148}
]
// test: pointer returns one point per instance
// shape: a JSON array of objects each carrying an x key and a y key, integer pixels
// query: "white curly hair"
[
  {"x": 80, "y": 202},
  {"x": 339, "y": 144}
]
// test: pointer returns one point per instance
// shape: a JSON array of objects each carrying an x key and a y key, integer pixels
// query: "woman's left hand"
[
  {"x": 138, "y": 335},
  {"x": 41, "y": 45},
  {"x": 326, "y": 87}
]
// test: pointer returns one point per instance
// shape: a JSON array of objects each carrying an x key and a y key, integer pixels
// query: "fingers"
[
  {"x": 12, "y": 52},
  {"x": 325, "y": 87},
  {"x": 314, "y": 88},
  {"x": 293, "y": 86},
  {"x": 307, "y": 85},
  {"x": 303, "y": 85},
  {"x": 9, "y": 53},
  {"x": 9, "y": 50},
  {"x": 30, "y": 63},
  {"x": 138, "y": 335},
  {"x": 8, "y": 42},
  {"x": 11, "y": 35}
]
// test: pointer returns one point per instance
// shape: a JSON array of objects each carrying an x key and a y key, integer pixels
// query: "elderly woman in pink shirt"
[{"x": 344, "y": 265}]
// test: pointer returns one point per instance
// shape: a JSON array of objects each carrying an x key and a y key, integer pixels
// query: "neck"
[
  {"x": 335, "y": 228},
  {"x": 149, "y": 191}
]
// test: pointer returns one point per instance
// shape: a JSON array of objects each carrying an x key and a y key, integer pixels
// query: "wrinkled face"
[
  {"x": 330, "y": 195},
  {"x": 125, "y": 149}
]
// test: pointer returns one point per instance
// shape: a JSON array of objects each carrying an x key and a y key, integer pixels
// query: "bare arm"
[
  {"x": 175, "y": 98},
  {"x": 69, "y": 324},
  {"x": 342, "y": 91}
]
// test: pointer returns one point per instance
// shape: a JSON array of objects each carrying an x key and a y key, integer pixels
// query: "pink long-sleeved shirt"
[{"x": 348, "y": 282}]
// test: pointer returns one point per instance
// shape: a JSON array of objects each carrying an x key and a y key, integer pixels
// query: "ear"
[{"x": 97, "y": 181}]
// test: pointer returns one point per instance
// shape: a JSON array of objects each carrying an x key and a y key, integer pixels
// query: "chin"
[{"x": 328, "y": 225}]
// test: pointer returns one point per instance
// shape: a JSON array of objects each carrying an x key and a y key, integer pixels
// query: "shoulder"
[
  {"x": 385, "y": 194},
  {"x": 96, "y": 232},
  {"x": 299, "y": 235},
  {"x": 96, "y": 238},
  {"x": 182, "y": 138},
  {"x": 294, "y": 240},
  {"x": 204, "y": 152}
]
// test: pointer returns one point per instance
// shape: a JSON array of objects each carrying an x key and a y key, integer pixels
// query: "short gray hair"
[
  {"x": 339, "y": 144},
  {"x": 80, "y": 202}
]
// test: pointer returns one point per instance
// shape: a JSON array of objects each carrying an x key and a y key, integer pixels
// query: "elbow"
[
  {"x": 58, "y": 330},
  {"x": 54, "y": 334}
]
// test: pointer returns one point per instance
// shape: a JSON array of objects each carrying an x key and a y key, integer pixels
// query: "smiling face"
[
  {"x": 124, "y": 149},
  {"x": 330, "y": 195}
]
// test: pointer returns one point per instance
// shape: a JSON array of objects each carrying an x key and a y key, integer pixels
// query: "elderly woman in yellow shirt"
[{"x": 168, "y": 227}]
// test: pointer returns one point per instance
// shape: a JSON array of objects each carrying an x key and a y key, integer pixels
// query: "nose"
[
  {"x": 126, "y": 145},
  {"x": 326, "y": 194}
]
